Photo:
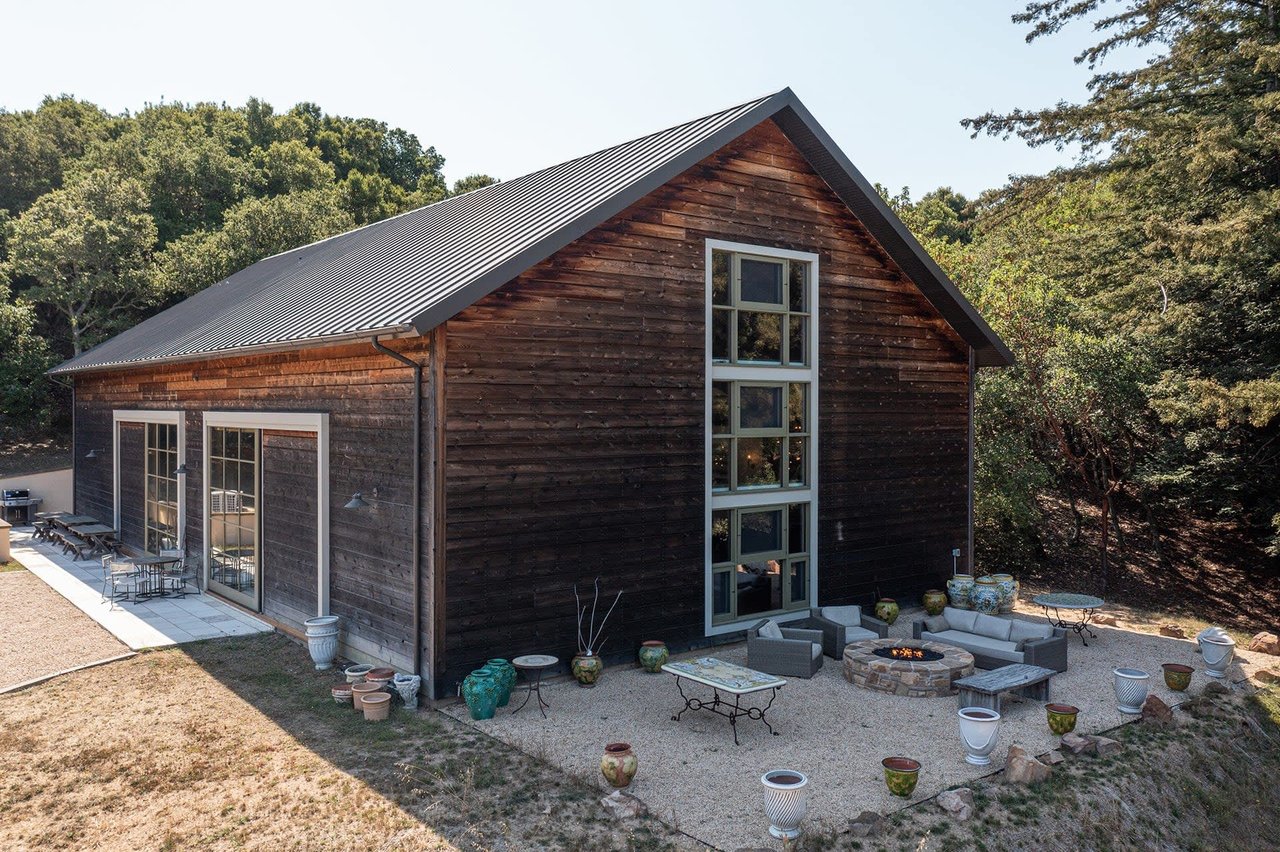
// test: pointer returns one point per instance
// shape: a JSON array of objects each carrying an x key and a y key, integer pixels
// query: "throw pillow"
[
  {"x": 770, "y": 630},
  {"x": 992, "y": 626},
  {"x": 936, "y": 624},
  {"x": 849, "y": 616}
]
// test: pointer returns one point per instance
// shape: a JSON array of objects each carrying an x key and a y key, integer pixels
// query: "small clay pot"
[
  {"x": 360, "y": 690},
  {"x": 355, "y": 674},
  {"x": 377, "y": 706},
  {"x": 342, "y": 693},
  {"x": 1177, "y": 676},
  {"x": 901, "y": 775},
  {"x": 382, "y": 677}
]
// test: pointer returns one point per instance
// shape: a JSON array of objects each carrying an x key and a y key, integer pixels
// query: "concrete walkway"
[{"x": 153, "y": 623}]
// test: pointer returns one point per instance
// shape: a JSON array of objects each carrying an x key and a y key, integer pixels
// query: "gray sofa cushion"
[
  {"x": 817, "y": 650},
  {"x": 985, "y": 645},
  {"x": 937, "y": 624},
  {"x": 960, "y": 619},
  {"x": 770, "y": 630},
  {"x": 849, "y": 616},
  {"x": 1023, "y": 631},
  {"x": 993, "y": 627},
  {"x": 857, "y": 634}
]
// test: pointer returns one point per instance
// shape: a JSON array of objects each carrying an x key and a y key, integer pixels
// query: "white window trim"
[
  {"x": 736, "y": 372},
  {"x": 173, "y": 418},
  {"x": 287, "y": 422}
]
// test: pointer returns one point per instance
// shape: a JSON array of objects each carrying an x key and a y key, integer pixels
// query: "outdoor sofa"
[
  {"x": 786, "y": 651},
  {"x": 841, "y": 625},
  {"x": 995, "y": 641}
]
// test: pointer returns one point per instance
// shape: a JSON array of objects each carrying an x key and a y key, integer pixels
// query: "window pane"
[
  {"x": 799, "y": 581},
  {"x": 797, "y": 405},
  {"x": 720, "y": 321},
  {"x": 215, "y": 441},
  {"x": 799, "y": 271},
  {"x": 719, "y": 278},
  {"x": 720, "y": 408},
  {"x": 761, "y": 281},
  {"x": 720, "y": 449},
  {"x": 760, "y": 407},
  {"x": 797, "y": 528},
  {"x": 720, "y": 536},
  {"x": 797, "y": 469},
  {"x": 759, "y": 462},
  {"x": 797, "y": 340},
  {"x": 760, "y": 531},
  {"x": 759, "y": 587},
  {"x": 759, "y": 337},
  {"x": 720, "y": 591}
]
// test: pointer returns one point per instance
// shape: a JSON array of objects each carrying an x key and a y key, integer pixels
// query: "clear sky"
[{"x": 509, "y": 87}]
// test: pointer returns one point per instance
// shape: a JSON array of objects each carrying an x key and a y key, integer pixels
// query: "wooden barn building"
[{"x": 709, "y": 366}]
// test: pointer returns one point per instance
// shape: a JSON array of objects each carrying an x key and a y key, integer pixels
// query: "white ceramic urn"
[{"x": 979, "y": 729}]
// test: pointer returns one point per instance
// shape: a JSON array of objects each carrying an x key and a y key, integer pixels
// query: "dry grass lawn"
[{"x": 236, "y": 744}]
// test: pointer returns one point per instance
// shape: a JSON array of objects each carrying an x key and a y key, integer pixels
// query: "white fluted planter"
[
  {"x": 1131, "y": 690},
  {"x": 1218, "y": 652},
  {"x": 979, "y": 729},
  {"x": 322, "y": 640},
  {"x": 785, "y": 801}
]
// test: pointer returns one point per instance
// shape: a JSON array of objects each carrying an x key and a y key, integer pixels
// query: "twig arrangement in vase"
[{"x": 587, "y": 665}]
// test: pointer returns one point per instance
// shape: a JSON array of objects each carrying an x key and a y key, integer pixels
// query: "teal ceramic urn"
[
  {"x": 480, "y": 691},
  {"x": 505, "y": 674}
]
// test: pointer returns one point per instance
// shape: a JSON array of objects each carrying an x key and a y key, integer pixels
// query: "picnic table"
[
  {"x": 1081, "y": 608},
  {"x": 729, "y": 678},
  {"x": 983, "y": 690},
  {"x": 99, "y": 534}
]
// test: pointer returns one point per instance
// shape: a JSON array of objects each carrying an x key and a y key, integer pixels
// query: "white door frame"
[
  {"x": 318, "y": 424},
  {"x": 126, "y": 415}
]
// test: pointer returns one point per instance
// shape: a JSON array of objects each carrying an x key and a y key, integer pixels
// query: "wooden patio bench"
[{"x": 74, "y": 543}]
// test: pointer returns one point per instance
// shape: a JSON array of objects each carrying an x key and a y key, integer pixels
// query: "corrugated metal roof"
[{"x": 416, "y": 270}]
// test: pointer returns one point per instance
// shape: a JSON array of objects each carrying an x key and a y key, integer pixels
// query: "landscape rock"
[
  {"x": 1105, "y": 620},
  {"x": 1052, "y": 758},
  {"x": 623, "y": 806},
  {"x": 1157, "y": 713},
  {"x": 1215, "y": 687},
  {"x": 1173, "y": 631},
  {"x": 1265, "y": 676},
  {"x": 867, "y": 824},
  {"x": 1105, "y": 746},
  {"x": 1077, "y": 743},
  {"x": 958, "y": 803},
  {"x": 1265, "y": 643},
  {"x": 1022, "y": 768}
]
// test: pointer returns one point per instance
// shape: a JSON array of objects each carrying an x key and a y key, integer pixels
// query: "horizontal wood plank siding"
[
  {"x": 575, "y": 415},
  {"x": 289, "y": 526},
  {"x": 369, "y": 400}
]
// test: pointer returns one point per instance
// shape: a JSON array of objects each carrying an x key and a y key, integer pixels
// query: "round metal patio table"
[
  {"x": 533, "y": 665},
  {"x": 1080, "y": 608}
]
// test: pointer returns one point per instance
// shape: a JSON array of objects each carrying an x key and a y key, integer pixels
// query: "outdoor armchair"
[
  {"x": 791, "y": 651},
  {"x": 841, "y": 625}
]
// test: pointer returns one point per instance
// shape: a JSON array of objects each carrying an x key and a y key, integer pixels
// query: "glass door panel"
[{"x": 234, "y": 556}]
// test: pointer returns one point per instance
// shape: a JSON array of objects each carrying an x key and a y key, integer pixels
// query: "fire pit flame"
[{"x": 906, "y": 652}]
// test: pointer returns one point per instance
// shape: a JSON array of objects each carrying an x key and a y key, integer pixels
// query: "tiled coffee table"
[{"x": 729, "y": 678}]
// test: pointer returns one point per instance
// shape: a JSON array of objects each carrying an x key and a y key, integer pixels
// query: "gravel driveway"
[{"x": 43, "y": 633}]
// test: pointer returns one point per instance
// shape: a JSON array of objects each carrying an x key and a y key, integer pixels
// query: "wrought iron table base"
[
  {"x": 533, "y": 686},
  {"x": 734, "y": 712},
  {"x": 1081, "y": 626}
]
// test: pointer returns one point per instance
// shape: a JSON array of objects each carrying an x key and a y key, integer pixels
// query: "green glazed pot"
[
  {"x": 587, "y": 669},
  {"x": 653, "y": 656},
  {"x": 618, "y": 765},
  {"x": 887, "y": 610},
  {"x": 480, "y": 691},
  {"x": 1062, "y": 718},
  {"x": 901, "y": 775},
  {"x": 505, "y": 674},
  {"x": 934, "y": 601},
  {"x": 1177, "y": 676}
]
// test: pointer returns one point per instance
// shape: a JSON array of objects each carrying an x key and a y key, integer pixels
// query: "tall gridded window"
[
  {"x": 761, "y": 425},
  {"x": 161, "y": 491},
  {"x": 233, "y": 512}
]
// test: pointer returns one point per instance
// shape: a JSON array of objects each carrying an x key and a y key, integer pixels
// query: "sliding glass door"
[
  {"x": 160, "y": 516},
  {"x": 234, "y": 557}
]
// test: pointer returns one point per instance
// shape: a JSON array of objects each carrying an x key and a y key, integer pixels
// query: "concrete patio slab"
[{"x": 154, "y": 623}]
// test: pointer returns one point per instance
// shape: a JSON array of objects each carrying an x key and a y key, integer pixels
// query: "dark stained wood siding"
[
  {"x": 368, "y": 397},
  {"x": 575, "y": 404},
  {"x": 289, "y": 525}
]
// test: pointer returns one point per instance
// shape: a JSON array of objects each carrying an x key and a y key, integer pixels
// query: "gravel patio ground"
[
  {"x": 693, "y": 776},
  {"x": 43, "y": 633}
]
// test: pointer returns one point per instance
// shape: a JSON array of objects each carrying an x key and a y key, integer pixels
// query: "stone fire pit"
[{"x": 914, "y": 678}]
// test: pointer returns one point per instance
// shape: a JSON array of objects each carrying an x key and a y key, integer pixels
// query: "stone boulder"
[
  {"x": 958, "y": 803},
  {"x": 1022, "y": 768},
  {"x": 1173, "y": 631},
  {"x": 623, "y": 806},
  {"x": 1156, "y": 713},
  {"x": 1077, "y": 743},
  {"x": 1105, "y": 746},
  {"x": 867, "y": 824},
  {"x": 1216, "y": 687},
  {"x": 1265, "y": 643},
  {"x": 1265, "y": 677},
  {"x": 1052, "y": 758},
  {"x": 1105, "y": 620}
]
